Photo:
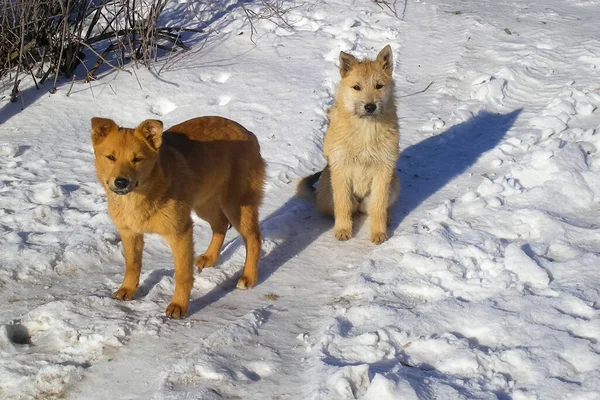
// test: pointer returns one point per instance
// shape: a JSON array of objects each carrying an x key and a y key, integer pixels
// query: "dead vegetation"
[{"x": 46, "y": 39}]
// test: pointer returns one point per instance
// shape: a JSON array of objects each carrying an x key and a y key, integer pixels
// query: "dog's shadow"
[
  {"x": 291, "y": 229},
  {"x": 424, "y": 168}
]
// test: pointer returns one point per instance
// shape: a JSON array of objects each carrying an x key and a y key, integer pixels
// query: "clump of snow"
[
  {"x": 8, "y": 150},
  {"x": 162, "y": 106}
]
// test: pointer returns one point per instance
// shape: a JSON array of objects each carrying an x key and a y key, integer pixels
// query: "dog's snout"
[
  {"x": 121, "y": 183},
  {"x": 370, "y": 108}
]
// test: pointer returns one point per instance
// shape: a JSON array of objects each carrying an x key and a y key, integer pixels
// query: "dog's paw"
[
  {"x": 246, "y": 282},
  {"x": 175, "y": 311},
  {"x": 124, "y": 293},
  {"x": 379, "y": 237},
  {"x": 205, "y": 261},
  {"x": 342, "y": 234}
]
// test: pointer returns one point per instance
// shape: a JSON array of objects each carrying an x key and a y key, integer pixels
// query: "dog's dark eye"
[
  {"x": 356, "y": 87},
  {"x": 111, "y": 157},
  {"x": 378, "y": 86},
  {"x": 136, "y": 159}
]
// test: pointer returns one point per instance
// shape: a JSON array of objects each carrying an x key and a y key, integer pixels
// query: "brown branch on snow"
[
  {"x": 101, "y": 59},
  {"x": 420, "y": 91}
]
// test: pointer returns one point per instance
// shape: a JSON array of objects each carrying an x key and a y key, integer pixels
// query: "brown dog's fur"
[
  {"x": 210, "y": 165},
  {"x": 361, "y": 148}
]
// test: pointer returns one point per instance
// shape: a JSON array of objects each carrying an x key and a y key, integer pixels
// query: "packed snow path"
[{"x": 488, "y": 287}]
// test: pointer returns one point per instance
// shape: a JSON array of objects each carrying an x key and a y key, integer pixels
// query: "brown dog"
[
  {"x": 361, "y": 147},
  {"x": 154, "y": 179}
]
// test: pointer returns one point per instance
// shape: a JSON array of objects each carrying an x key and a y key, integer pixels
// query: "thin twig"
[
  {"x": 103, "y": 59},
  {"x": 197, "y": 50},
  {"x": 15, "y": 91},
  {"x": 179, "y": 30},
  {"x": 45, "y": 76},
  {"x": 420, "y": 91},
  {"x": 88, "y": 82},
  {"x": 22, "y": 102},
  {"x": 136, "y": 78},
  {"x": 71, "y": 87},
  {"x": 387, "y": 5},
  {"x": 250, "y": 16},
  {"x": 33, "y": 77},
  {"x": 91, "y": 72},
  {"x": 61, "y": 44}
]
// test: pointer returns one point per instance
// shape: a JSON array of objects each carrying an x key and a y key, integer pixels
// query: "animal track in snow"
[
  {"x": 221, "y": 357},
  {"x": 215, "y": 77}
]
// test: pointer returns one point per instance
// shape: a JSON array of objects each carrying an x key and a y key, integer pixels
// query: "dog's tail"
[{"x": 306, "y": 189}]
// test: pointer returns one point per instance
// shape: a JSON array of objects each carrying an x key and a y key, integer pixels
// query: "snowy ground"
[{"x": 489, "y": 287}]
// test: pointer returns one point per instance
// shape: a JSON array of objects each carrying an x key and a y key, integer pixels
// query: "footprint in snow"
[
  {"x": 215, "y": 77},
  {"x": 434, "y": 124},
  {"x": 45, "y": 193}
]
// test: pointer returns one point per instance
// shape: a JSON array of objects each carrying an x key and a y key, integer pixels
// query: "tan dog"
[
  {"x": 361, "y": 147},
  {"x": 154, "y": 179}
]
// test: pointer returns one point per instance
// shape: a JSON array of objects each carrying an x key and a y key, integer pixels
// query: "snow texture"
[{"x": 486, "y": 289}]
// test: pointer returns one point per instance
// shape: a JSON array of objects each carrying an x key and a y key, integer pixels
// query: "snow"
[{"x": 486, "y": 289}]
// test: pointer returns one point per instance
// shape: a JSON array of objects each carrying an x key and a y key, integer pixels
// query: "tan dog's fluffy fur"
[
  {"x": 361, "y": 147},
  {"x": 153, "y": 180}
]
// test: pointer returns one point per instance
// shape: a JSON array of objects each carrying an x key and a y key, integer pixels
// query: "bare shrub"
[
  {"x": 46, "y": 38},
  {"x": 52, "y": 36}
]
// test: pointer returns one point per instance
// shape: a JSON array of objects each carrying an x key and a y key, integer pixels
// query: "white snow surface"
[{"x": 488, "y": 288}]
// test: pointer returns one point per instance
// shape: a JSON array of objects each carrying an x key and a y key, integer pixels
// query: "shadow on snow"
[{"x": 425, "y": 168}]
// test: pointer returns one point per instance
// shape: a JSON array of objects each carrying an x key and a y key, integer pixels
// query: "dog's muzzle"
[{"x": 122, "y": 186}]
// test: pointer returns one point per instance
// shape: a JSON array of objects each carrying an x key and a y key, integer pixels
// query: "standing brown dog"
[
  {"x": 154, "y": 179},
  {"x": 361, "y": 147}
]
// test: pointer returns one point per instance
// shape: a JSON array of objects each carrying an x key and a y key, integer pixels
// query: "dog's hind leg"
[
  {"x": 218, "y": 223},
  {"x": 245, "y": 220},
  {"x": 324, "y": 193}
]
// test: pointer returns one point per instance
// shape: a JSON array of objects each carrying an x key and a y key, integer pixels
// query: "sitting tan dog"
[
  {"x": 361, "y": 146},
  {"x": 154, "y": 179}
]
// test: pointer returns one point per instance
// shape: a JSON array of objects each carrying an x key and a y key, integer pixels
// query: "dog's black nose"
[
  {"x": 121, "y": 183},
  {"x": 370, "y": 108}
]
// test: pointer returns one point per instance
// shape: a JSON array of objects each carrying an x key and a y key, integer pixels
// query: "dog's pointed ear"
[
  {"x": 151, "y": 130},
  {"x": 385, "y": 59},
  {"x": 101, "y": 127},
  {"x": 347, "y": 62}
]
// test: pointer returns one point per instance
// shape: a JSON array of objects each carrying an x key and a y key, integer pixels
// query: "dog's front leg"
[
  {"x": 342, "y": 205},
  {"x": 133, "y": 246},
  {"x": 378, "y": 206},
  {"x": 182, "y": 247}
]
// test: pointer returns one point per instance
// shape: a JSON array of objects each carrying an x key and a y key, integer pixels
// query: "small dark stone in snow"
[{"x": 18, "y": 334}]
